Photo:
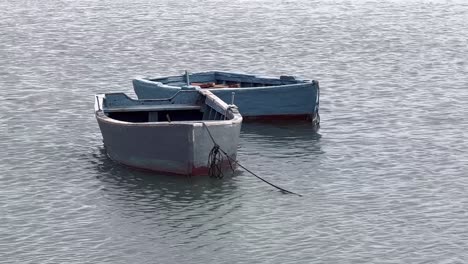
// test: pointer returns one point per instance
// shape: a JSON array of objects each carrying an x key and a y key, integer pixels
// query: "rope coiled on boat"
[
  {"x": 214, "y": 163},
  {"x": 216, "y": 160}
]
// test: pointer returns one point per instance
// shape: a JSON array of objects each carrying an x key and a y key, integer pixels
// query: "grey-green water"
[{"x": 384, "y": 180}]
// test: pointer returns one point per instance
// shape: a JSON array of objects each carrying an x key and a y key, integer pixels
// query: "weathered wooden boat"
[
  {"x": 173, "y": 135},
  {"x": 258, "y": 98}
]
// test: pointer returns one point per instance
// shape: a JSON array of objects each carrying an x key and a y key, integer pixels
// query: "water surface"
[{"x": 383, "y": 180}]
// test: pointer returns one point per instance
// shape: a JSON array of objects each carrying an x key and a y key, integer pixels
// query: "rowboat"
[
  {"x": 258, "y": 98},
  {"x": 173, "y": 135}
]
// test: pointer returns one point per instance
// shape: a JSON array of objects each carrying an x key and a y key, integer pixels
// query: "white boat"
[{"x": 173, "y": 135}]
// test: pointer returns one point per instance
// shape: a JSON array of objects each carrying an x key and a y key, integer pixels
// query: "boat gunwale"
[
  {"x": 297, "y": 81},
  {"x": 283, "y": 86},
  {"x": 101, "y": 116}
]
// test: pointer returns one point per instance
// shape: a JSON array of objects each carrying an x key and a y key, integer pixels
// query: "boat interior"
[
  {"x": 163, "y": 110},
  {"x": 213, "y": 80}
]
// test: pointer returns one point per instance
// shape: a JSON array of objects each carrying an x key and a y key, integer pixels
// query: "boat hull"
[
  {"x": 285, "y": 102},
  {"x": 171, "y": 148}
]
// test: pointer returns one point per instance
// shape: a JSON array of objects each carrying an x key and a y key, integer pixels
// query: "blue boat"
[{"x": 258, "y": 98}]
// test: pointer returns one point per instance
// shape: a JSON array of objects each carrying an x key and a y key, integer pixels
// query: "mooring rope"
[{"x": 215, "y": 160}]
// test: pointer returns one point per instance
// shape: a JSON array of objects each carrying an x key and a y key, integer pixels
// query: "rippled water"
[{"x": 384, "y": 180}]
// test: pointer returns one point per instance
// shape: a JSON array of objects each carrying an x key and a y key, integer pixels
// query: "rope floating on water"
[{"x": 215, "y": 160}]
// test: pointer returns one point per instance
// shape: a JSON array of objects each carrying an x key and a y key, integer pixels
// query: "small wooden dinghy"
[
  {"x": 258, "y": 98},
  {"x": 168, "y": 135}
]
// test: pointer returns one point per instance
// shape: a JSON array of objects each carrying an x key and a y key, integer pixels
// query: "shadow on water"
[
  {"x": 289, "y": 137},
  {"x": 282, "y": 131},
  {"x": 142, "y": 187}
]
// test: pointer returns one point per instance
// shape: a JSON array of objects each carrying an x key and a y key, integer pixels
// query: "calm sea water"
[{"x": 384, "y": 180}]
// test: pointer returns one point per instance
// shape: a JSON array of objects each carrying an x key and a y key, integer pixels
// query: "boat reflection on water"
[
  {"x": 156, "y": 208},
  {"x": 282, "y": 130},
  {"x": 301, "y": 138},
  {"x": 150, "y": 191}
]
